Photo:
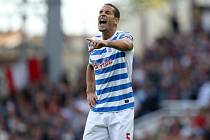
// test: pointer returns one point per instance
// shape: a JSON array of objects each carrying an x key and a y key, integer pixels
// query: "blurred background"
[{"x": 43, "y": 57}]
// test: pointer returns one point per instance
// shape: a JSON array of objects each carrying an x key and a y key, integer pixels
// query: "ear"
[{"x": 116, "y": 21}]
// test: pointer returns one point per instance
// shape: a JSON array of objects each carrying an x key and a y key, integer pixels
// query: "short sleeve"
[
  {"x": 127, "y": 35},
  {"x": 90, "y": 61}
]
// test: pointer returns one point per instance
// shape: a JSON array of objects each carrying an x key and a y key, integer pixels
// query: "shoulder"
[{"x": 124, "y": 34}]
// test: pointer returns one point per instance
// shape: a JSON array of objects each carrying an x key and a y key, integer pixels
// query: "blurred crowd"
[
  {"x": 176, "y": 66},
  {"x": 45, "y": 111},
  {"x": 187, "y": 127}
]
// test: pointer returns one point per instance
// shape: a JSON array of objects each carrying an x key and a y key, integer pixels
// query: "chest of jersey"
[{"x": 102, "y": 58}]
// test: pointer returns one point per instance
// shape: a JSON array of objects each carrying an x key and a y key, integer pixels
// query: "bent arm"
[{"x": 122, "y": 44}]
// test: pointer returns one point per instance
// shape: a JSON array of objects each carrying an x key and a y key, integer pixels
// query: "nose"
[{"x": 101, "y": 15}]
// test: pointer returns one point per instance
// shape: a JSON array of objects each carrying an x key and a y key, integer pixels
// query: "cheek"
[
  {"x": 115, "y": 21},
  {"x": 110, "y": 21}
]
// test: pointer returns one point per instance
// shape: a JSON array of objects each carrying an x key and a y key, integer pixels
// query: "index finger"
[{"x": 89, "y": 39}]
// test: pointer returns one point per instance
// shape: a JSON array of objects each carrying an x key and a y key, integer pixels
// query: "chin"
[{"x": 102, "y": 29}]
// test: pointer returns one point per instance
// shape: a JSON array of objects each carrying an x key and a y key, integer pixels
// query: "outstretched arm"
[
  {"x": 122, "y": 44},
  {"x": 90, "y": 81}
]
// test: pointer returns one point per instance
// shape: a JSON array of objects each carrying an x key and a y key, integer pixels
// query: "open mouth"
[{"x": 102, "y": 22}]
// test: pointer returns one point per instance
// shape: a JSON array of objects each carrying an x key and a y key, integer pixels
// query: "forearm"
[
  {"x": 90, "y": 79},
  {"x": 122, "y": 45}
]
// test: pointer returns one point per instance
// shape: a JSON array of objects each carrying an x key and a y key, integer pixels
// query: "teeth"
[{"x": 102, "y": 21}]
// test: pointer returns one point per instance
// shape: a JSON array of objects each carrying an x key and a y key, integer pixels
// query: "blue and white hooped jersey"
[{"x": 113, "y": 72}]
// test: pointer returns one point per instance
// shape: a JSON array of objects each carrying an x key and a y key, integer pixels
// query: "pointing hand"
[{"x": 96, "y": 44}]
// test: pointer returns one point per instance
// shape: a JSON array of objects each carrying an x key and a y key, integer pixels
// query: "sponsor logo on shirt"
[{"x": 102, "y": 65}]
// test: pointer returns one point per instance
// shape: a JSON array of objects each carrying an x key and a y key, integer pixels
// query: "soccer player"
[{"x": 108, "y": 79}]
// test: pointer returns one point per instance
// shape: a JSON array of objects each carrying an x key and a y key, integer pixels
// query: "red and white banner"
[{"x": 18, "y": 75}]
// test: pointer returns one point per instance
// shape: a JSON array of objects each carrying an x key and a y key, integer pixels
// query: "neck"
[{"x": 107, "y": 34}]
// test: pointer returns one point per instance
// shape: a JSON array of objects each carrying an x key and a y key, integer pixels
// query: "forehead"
[{"x": 107, "y": 8}]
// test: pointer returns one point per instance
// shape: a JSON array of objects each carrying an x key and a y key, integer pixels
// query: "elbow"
[{"x": 129, "y": 46}]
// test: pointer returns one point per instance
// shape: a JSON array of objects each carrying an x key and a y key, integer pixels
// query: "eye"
[
  {"x": 108, "y": 12},
  {"x": 101, "y": 11}
]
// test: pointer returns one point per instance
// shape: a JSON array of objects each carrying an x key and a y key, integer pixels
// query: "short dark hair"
[{"x": 116, "y": 10}]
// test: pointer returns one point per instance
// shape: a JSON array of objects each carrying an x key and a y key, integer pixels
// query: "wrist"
[
  {"x": 89, "y": 92},
  {"x": 108, "y": 43}
]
